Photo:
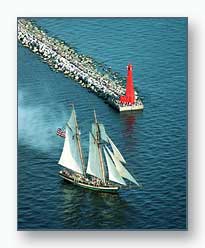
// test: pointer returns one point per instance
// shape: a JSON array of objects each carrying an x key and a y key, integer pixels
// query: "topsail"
[{"x": 103, "y": 134}]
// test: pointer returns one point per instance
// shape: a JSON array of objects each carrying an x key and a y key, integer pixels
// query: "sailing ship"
[{"x": 105, "y": 171}]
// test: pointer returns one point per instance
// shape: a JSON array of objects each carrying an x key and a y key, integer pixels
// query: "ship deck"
[{"x": 89, "y": 185}]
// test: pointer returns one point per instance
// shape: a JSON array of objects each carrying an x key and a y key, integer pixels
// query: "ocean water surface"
[{"x": 153, "y": 142}]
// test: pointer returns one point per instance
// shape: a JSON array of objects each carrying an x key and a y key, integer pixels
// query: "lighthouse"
[{"x": 129, "y": 97}]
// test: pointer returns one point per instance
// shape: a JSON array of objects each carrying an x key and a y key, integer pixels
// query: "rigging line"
[
  {"x": 99, "y": 148},
  {"x": 69, "y": 126},
  {"x": 96, "y": 141},
  {"x": 78, "y": 141}
]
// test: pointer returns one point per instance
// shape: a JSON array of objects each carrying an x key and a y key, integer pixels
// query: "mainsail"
[
  {"x": 71, "y": 156},
  {"x": 113, "y": 173},
  {"x": 95, "y": 160},
  {"x": 121, "y": 169},
  {"x": 116, "y": 152},
  {"x": 94, "y": 166}
]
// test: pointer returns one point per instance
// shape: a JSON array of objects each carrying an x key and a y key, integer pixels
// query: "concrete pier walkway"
[{"x": 63, "y": 58}]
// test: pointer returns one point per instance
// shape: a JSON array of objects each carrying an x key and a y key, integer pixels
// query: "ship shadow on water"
[{"x": 111, "y": 209}]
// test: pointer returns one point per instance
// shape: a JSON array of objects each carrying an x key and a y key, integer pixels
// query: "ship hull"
[{"x": 104, "y": 188}]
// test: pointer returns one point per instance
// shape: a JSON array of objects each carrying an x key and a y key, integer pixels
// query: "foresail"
[
  {"x": 121, "y": 169},
  {"x": 94, "y": 167},
  {"x": 69, "y": 158},
  {"x": 116, "y": 152},
  {"x": 113, "y": 173}
]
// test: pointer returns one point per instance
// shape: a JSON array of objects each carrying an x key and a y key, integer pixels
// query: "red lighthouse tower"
[{"x": 129, "y": 97}]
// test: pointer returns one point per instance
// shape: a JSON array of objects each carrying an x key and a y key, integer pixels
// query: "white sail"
[
  {"x": 121, "y": 169},
  {"x": 113, "y": 173},
  {"x": 94, "y": 167},
  {"x": 70, "y": 156},
  {"x": 103, "y": 134},
  {"x": 94, "y": 129},
  {"x": 116, "y": 152},
  {"x": 72, "y": 122}
]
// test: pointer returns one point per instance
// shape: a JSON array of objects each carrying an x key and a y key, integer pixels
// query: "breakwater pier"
[{"x": 63, "y": 58}]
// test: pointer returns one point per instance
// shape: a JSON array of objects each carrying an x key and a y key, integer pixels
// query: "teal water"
[{"x": 153, "y": 142}]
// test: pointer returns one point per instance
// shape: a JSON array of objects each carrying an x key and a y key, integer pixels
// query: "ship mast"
[
  {"x": 98, "y": 145},
  {"x": 78, "y": 141}
]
